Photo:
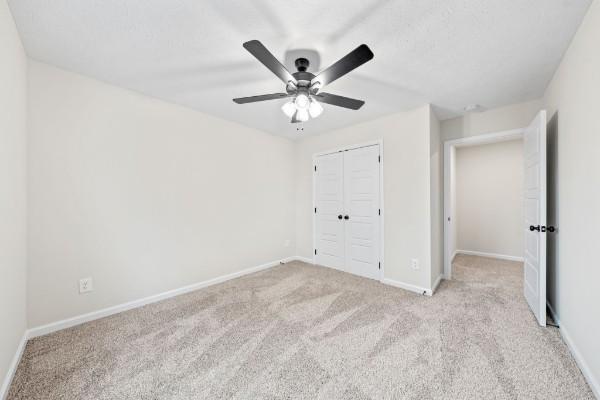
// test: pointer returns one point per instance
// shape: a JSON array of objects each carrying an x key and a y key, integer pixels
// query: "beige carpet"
[{"x": 303, "y": 332}]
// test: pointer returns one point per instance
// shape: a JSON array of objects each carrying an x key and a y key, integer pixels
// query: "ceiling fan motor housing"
[
  {"x": 303, "y": 77},
  {"x": 302, "y": 64}
]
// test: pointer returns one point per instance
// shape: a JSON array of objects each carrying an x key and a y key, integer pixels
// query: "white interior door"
[
  {"x": 535, "y": 216},
  {"x": 329, "y": 204},
  {"x": 361, "y": 205}
]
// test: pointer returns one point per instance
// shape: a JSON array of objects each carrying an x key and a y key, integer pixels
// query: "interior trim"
[
  {"x": 577, "y": 355},
  {"x": 12, "y": 369},
  {"x": 407, "y": 286},
  {"x": 437, "y": 283},
  {"x": 489, "y": 255}
]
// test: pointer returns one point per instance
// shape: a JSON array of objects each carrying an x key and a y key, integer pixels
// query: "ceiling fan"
[{"x": 304, "y": 86}]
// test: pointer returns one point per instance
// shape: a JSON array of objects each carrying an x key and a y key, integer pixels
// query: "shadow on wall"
[{"x": 552, "y": 211}]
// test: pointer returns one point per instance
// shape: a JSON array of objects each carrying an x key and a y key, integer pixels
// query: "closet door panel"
[
  {"x": 361, "y": 205},
  {"x": 329, "y": 203}
]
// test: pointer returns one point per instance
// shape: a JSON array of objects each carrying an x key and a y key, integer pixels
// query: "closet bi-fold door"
[
  {"x": 329, "y": 208},
  {"x": 362, "y": 209},
  {"x": 347, "y": 211}
]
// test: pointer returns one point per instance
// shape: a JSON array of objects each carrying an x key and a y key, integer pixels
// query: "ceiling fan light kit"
[
  {"x": 303, "y": 86},
  {"x": 315, "y": 109},
  {"x": 289, "y": 109},
  {"x": 303, "y": 106}
]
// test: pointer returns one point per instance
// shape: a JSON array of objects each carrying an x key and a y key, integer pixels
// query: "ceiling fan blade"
[
  {"x": 258, "y": 50},
  {"x": 350, "y": 61},
  {"x": 262, "y": 97},
  {"x": 339, "y": 101}
]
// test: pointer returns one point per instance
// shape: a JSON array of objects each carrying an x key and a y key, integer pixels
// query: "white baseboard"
[
  {"x": 12, "y": 368},
  {"x": 437, "y": 283},
  {"x": 94, "y": 315},
  {"x": 577, "y": 355},
  {"x": 453, "y": 255},
  {"x": 489, "y": 255},
  {"x": 407, "y": 286},
  {"x": 80, "y": 319},
  {"x": 387, "y": 281}
]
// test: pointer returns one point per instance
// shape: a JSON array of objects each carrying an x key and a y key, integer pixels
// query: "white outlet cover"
[
  {"x": 86, "y": 285},
  {"x": 414, "y": 263}
]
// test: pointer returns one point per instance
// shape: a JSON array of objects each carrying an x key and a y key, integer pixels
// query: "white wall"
[
  {"x": 406, "y": 150},
  {"x": 143, "y": 196},
  {"x": 489, "y": 198},
  {"x": 499, "y": 119},
  {"x": 13, "y": 190},
  {"x": 573, "y": 102},
  {"x": 436, "y": 199}
]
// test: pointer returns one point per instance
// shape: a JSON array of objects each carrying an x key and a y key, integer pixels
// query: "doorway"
[
  {"x": 451, "y": 197},
  {"x": 489, "y": 200},
  {"x": 348, "y": 211},
  {"x": 533, "y": 220}
]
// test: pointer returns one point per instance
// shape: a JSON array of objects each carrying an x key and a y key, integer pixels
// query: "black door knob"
[
  {"x": 534, "y": 228},
  {"x": 340, "y": 216},
  {"x": 346, "y": 217}
]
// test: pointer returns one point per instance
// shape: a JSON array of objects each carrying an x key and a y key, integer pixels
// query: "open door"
[{"x": 535, "y": 216}]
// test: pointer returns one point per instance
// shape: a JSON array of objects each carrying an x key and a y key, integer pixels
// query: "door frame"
[
  {"x": 449, "y": 158},
  {"x": 379, "y": 143}
]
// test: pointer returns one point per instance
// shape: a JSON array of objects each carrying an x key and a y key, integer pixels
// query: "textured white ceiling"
[{"x": 449, "y": 53}]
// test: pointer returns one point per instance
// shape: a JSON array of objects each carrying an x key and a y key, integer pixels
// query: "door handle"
[
  {"x": 346, "y": 217},
  {"x": 542, "y": 229},
  {"x": 340, "y": 216}
]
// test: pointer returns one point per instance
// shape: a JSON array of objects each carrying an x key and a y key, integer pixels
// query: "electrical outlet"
[
  {"x": 286, "y": 243},
  {"x": 86, "y": 285},
  {"x": 414, "y": 263}
]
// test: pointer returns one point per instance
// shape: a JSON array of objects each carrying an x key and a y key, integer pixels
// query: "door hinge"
[
  {"x": 315, "y": 210},
  {"x": 315, "y": 168},
  {"x": 379, "y": 159},
  {"x": 379, "y": 265},
  {"x": 315, "y": 251},
  {"x": 380, "y": 211}
]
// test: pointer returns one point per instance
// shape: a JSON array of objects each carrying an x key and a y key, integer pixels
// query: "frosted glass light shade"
[
  {"x": 304, "y": 107},
  {"x": 289, "y": 109},
  {"x": 315, "y": 109},
  {"x": 302, "y": 115},
  {"x": 302, "y": 101}
]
